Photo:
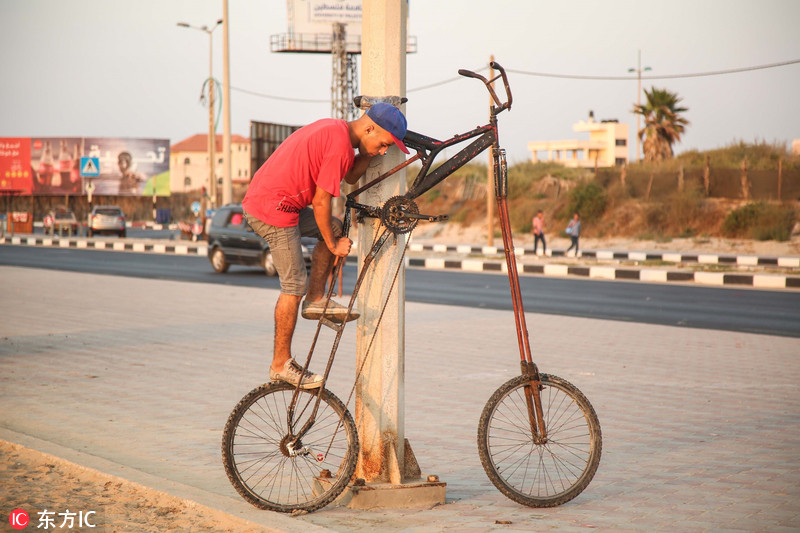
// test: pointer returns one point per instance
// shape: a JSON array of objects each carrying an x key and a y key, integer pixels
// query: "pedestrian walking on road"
[
  {"x": 538, "y": 232},
  {"x": 574, "y": 231},
  {"x": 306, "y": 171}
]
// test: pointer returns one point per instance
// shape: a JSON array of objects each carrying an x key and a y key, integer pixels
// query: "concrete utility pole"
[
  {"x": 227, "y": 183},
  {"x": 381, "y": 389}
]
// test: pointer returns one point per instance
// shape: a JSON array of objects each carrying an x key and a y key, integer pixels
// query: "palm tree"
[{"x": 663, "y": 124}]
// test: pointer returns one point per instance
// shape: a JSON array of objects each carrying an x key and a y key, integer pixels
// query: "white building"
[
  {"x": 607, "y": 146},
  {"x": 188, "y": 166}
]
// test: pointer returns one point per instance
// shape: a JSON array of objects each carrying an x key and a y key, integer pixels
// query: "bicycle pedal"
[{"x": 335, "y": 326}]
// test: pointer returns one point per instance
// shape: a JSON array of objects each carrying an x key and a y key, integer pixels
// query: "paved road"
[
  {"x": 732, "y": 309},
  {"x": 136, "y": 377}
]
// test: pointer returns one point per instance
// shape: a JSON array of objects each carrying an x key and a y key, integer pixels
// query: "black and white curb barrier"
[
  {"x": 760, "y": 281},
  {"x": 121, "y": 245},
  {"x": 608, "y": 255}
]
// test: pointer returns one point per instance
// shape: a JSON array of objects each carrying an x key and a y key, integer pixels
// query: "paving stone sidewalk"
[{"x": 701, "y": 428}]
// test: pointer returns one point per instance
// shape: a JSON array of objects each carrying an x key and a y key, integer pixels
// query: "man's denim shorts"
[{"x": 287, "y": 252}]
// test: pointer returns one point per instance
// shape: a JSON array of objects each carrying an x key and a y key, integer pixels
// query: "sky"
[{"x": 118, "y": 68}]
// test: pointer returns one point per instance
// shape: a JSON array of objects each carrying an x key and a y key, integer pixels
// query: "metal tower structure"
[{"x": 344, "y": 81}]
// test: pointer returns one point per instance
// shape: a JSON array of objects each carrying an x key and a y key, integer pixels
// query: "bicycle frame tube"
[
  {"x": 532, "y": 396},
  {"x": 487, "y": 136}
]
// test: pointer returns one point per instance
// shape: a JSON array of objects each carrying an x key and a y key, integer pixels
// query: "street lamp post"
[
  {"x": 638, "y": 70},
  {"x": 211, "y": 129},
  {"x": 227, "y": 175}
]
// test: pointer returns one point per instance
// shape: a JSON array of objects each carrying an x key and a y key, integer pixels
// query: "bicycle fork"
[
  {"x": 533, "y": 397},
  {"x": 294, "y": 437}
]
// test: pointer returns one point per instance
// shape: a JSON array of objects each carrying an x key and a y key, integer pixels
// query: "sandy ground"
[{"x": 35, "y": 482}]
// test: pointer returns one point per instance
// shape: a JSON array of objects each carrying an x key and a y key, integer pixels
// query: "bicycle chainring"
[{"x": 394, "y": 214}]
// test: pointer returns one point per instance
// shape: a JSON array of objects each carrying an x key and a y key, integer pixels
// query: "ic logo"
[{"x": 18, "y": 519}]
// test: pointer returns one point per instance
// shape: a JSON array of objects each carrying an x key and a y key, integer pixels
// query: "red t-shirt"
[{"x": 317, "y": 155}]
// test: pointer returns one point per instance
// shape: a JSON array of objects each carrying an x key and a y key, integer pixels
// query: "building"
[
  {"x": 189, "y": 162},
  {"x": 607, "y": 146}
]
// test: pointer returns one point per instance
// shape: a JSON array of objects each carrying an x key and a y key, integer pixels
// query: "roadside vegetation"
[{"x": 650, "y": 200}]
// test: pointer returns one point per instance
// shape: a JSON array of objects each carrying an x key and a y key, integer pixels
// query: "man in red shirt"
[{"x": 307, "y": 170}]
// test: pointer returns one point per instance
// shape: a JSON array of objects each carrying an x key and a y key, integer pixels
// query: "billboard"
[
  {"x": 316, "y": 16},
  {"x": 15, "y": 165},
  {"x": 52, "y": 166}
]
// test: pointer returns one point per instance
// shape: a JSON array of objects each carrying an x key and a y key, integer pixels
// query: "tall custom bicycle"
[{"x": 288, "y": 449}]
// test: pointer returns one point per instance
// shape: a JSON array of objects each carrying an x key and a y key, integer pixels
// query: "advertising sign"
[
  {"x": 15, "y": 166},
  {"x": 330, "y": 11},
  {"x": 316, "y": 16},
  {"x": 66, "y": 165}
]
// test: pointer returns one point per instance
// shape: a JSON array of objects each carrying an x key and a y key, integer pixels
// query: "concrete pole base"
[{"x": 415, "y": 495}]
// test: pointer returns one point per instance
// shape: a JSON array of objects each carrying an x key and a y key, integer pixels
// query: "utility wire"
[
  {"x": 545, "y": 75},
  {"x": 283, "y": 98},
  {"x": 314, "y": 101},
  {"x": 651, "y": 77}
]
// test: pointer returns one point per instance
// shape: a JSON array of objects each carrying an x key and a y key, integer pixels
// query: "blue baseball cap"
[{"x": 392, "y": 120}]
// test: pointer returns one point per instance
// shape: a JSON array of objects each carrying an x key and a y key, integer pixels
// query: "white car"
[{"x": 107, "y": 219}]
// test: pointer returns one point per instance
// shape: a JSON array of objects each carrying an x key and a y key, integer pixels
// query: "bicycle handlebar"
[{"x": 488, "y": 83}]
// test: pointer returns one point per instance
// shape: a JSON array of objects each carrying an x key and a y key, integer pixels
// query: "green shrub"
[
  {"x": 760, "y": 221},
  {"x": 588, "y": 200}
]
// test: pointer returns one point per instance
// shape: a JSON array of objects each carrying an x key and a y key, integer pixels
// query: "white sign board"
[
  {"x": 317, "y": 16},
  {"x": 330, "y": 11}
]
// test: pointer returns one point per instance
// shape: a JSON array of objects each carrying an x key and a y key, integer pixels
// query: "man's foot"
[
  {"x": 292, "y": 373},
  {"x": 335, "y": 312}
]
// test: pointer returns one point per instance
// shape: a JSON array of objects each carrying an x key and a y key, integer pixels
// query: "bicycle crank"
[{"x": 400, "y": 214}]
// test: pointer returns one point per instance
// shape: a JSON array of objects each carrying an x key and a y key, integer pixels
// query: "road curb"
[
  {"x": 667, "y": 257},
  {"x": 116, "y": 245},
  {"x": 759, "y": 281},
  {"x": 649, "y": 275}
]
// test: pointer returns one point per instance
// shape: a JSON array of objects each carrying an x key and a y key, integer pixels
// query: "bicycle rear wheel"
[
  {"x": 545, "y": 474},
  {"x": 262, "y": 468}
]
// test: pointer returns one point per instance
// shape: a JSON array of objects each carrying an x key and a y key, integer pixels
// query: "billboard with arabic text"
[{"x": 52, "y": 166}]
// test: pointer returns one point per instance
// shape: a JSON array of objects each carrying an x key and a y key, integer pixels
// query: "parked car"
[
  {"x": 107, "y": 219},
  {"x": 231, "y": 241},
  {"x": 60, "y": 220}
]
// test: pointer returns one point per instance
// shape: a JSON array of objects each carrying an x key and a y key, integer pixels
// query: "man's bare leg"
[
  {"x": 285, "y": 322},
  {"x": 321, "y": 267}
]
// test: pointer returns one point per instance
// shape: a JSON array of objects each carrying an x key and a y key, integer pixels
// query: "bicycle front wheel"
[
  {"x": 264, "y": 467},
  {"x": 536, "y": 472}
]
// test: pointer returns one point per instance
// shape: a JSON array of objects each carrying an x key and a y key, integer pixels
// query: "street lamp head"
[
  {"x": 183, "y": 25},
  {"x": 631, "y": 70},
  {"x": 647, "y": 68},
  {"x": 219, "y": 22}
]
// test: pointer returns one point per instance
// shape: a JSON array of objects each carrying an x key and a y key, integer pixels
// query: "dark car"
[{"x": 231, "y": 241}]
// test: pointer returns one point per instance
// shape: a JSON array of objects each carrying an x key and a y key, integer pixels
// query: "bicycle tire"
[
  {"x": 258, "y": 464},
  {"x": 540, "y": 475}
]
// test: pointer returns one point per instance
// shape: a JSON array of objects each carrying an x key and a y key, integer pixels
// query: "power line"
[
  {"x": 663, "y": 77},
  {"x": 283, "y": 98},
  {"x": 317, "y": 101},
  {"x": 544, "y": 75}
]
